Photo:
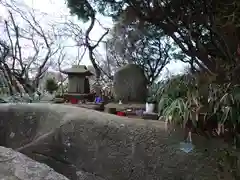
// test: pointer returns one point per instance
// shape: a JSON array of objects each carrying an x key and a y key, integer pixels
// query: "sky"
[{"x": 57, "y": 9}]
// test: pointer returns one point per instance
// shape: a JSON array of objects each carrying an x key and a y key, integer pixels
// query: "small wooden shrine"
[{"x": 78, "y": 84}]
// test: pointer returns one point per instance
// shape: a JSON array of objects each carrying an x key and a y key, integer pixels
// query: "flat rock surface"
[
  {"x": 105, "y": 146},
  {"x": 16, "y": 166}
]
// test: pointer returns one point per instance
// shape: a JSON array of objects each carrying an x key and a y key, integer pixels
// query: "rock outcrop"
[
  {"x": 71, "y": 139},
  {"x": 16, "y": 166},
  {"x": 130, "y": 84}
]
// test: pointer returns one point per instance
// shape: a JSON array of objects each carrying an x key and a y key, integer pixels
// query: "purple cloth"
[
  {"x": 139, "y": 112},
  {"x": 98, "y": 100}
]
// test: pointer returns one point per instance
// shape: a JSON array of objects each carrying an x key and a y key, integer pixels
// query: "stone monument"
[
  {"x": 130, "y": 84},
  {"x": 78, "y": 83}
]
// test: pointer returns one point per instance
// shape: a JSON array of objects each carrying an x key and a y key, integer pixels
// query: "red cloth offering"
[
  {"x": 120, "y": 113},
  {"x": 73, "y": 101}
]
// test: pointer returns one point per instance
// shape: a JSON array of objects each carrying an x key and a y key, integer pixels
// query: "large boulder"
[
  {"x": 71, "y": 139},
  {"x": 130, "y": 84},
  {"x": 16, "y": 166},
  {"x": 23, "y": 124}
]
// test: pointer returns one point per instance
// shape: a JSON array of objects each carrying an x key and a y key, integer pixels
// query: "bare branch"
[{"x": 92, "y": 47}]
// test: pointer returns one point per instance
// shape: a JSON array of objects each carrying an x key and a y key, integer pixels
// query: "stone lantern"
[{"x": 78, "y": 83}]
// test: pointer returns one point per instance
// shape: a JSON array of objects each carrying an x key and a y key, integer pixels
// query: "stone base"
[
  {"x": 58, "y": 100},
  {"x": 123, "y": 107},
  {"x": 89, "y": 97},
  {"x": 111, "y": 110},
  {"x": 94, "y": 106},
  {"x": 150, "y": 116}
]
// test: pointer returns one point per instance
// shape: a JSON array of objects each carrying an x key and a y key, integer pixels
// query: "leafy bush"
[
  {"x": 197, "y": 98},
  {"x": 51, "y": 85}
]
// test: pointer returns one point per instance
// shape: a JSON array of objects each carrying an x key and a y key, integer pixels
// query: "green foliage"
[
  {"x": 86, "y": 8},
  {"x": 51, "y": 85},
  {"x": 177, "y": 86},
  {"x": 197, "y": 99},
  {"x": 81, "y": 8},
  {"x": 177, "y": 110}
]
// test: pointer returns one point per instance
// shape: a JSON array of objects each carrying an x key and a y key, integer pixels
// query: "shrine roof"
[{"x": 78, "y": 69}]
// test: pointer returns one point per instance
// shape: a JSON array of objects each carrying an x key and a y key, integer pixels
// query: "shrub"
[
  {"x": 51, "y": 85},
  {"x": 198, "y": 99}
]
